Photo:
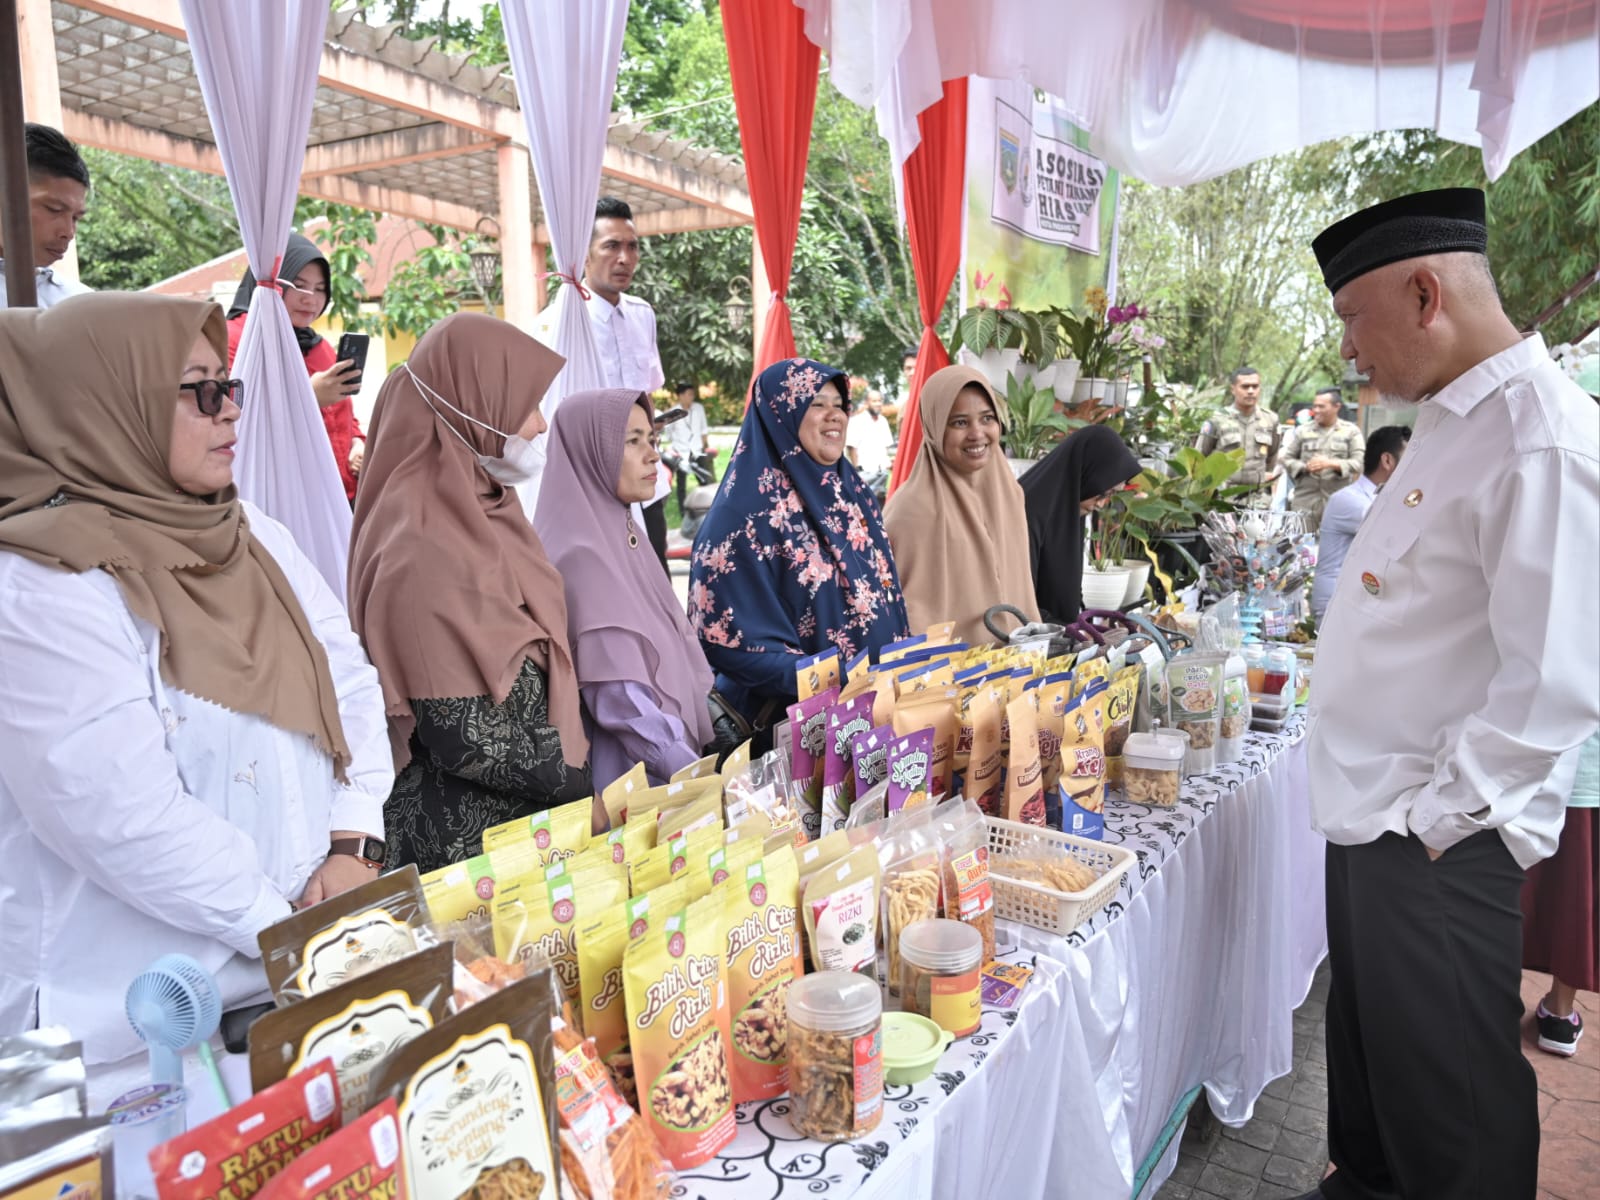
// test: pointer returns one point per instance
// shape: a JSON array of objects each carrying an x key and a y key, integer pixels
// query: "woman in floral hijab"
[{"x": 792, "y": 558}]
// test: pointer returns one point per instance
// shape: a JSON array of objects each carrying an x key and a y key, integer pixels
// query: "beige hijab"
[
  {"x": 960, "y": 541},
  {"x": 450, "y": 587},
  {"x": 88, "y": 393}
]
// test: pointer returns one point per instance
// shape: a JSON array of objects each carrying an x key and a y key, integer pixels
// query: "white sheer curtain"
[
  {"x": 1177, "y": 91},
  {"x": 564, "y": 56},
  {"x": 257, "y": 61}
]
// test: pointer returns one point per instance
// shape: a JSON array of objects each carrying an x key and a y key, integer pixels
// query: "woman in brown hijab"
[
  {"x": 455, "y": 599},
  {"x": 192, "y": 738},
  {"x": 957, "y": 524}
]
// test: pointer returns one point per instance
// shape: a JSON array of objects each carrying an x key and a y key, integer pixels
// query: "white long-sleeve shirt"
[
  {"x": 1346, "y": 510},
  {"x": 50, "y": 287},
  {"x": 137, "y": 820},
  {"x": 1458, "y": 671}
]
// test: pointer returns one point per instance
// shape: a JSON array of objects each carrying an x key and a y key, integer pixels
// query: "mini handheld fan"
[{"x": 173, "y": 1006}]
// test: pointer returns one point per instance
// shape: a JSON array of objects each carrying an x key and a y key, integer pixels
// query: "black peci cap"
[{"x": 1438, "y": 222}]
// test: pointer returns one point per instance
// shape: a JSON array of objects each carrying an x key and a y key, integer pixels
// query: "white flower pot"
[
  {"x": 1084, "y": 390},
  {"x": 1138, "y": 577},
  {"x": 1116, "y": 395},
  {"x": 1062, "y": 376},
  {"x": 1021, "y": 466},
  {"x": 1104, "y": 589},
  {"x": 997, "y": 364}
]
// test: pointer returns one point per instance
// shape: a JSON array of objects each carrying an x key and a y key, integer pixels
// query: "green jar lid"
[{"x": 911, "y": 1047}]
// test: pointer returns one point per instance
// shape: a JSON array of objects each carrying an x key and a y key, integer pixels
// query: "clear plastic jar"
[
  {"x": 1235, "y": 710},
  {"x": 940, "y": 961},
  {"x": 835, "y": 1055}
]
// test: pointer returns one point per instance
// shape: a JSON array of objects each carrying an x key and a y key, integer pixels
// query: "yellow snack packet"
[
  {"x": 536, "y": 921},
  {"x": 720, "y": 864},
  {"x": 1120, "y": 698},
  {"x": 943, "y": 632},
  {"x": 1087, "y": 673},
  {"x": 462, "y": 893},
  {"x": 701, "y": 768},
  {"x": 556, "y": 833},
  {"x": 700, "y": 813},
  {"x": 817, "y": 673},
  {"x": 763, "y": 956},
  {"x": 617, "y": 794}
]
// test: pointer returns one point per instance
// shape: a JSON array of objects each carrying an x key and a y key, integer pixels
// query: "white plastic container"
[
  {"x": 1152, "y": 769},
  {"x": 1235, "y": 710}
]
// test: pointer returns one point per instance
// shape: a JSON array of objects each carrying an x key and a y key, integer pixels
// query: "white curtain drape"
[
  {"x": 1178, "y": 91},
  {"x": 257, "y": 62},
  {"x": 564, "y": 56}
]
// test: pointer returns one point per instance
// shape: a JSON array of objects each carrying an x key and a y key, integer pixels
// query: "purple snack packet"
[
  {"x": 871, "y": 754},
  {"x": 910, "y": 760},
  {"x": 808, "y": 723},
  {"x": 846, "y": 722}
]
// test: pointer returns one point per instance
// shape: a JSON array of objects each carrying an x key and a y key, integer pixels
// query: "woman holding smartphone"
[{"x": 303, "y": 280}]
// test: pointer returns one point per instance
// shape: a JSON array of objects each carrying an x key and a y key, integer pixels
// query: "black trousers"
[
  {"x": 655, "y": 527},
  {"x": 1429, "y": 1096}
]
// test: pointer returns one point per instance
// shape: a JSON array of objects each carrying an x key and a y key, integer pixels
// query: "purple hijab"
[{"x": 623, "y": 623}]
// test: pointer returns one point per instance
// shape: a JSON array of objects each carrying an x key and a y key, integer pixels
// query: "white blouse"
[{"x": 137, "y": 820}]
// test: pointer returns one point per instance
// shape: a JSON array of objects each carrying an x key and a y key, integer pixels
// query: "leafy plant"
[
  {"x": 1163, "y": 503},
  {"x": 983, "y": 328},
  {"x": 1033, "y": 424}
]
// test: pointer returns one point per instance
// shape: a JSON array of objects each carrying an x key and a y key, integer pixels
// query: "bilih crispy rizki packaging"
[
  {"x": 345, "y": 936},
  {"x": 556, "y": 833},
  {"x": 358, "y": 1025},
  {"x": 845, "y": 722},
  {"x": 763, "y": 956},
  {"x": 362, "y": 1161},
  {"x": 232, "y": 1156},
  {"x": 476, "y": 1096},
  {"x": 674, "y": 978},
  {"x": 460, "y": 894},
  {"x": 618, "y": 794},
  {"x": 536, "y": 921}
]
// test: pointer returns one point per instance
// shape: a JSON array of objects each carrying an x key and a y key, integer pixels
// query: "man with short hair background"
[
  {"x": 688, "y": 438},
  {"x": 1348, "y": 508},
  {"x": 58, "y": 194},
  {"x": 1323, "y": 456},
  {"x": 868, "y": 438},
  {"x": 1244, "y": 425}
]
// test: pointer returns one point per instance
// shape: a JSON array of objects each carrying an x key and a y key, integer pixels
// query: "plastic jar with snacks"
[
  {"x": 940, "y": 961},
  {"x": 1235, "y": 710},
  {"x": 1153, "y": 768},
  {"x": 835, "y": 1055}
]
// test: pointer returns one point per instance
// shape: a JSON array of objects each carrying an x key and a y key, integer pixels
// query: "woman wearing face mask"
[
  {"x": 1072, "y": 481},
  {"x": 193, "y": 739},
  {"x": 957, "y": 524},
  {"x": 452, "y": 593},
  {"x": 304, "y": 280},
  {"x": 792, "y": 558},
  {"x": 643, "y": 675}
]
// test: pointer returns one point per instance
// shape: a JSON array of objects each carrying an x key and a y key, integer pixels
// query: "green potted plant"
[
  {"x": 1005, "y": 341},
  {"x": 1106, "y": 341},
  {"x": 1032, "y": 423},
  {"x": 1105, "y": 577},
  {"x": 1158, "y": 518}
]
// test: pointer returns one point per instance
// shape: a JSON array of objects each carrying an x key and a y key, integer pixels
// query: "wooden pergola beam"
[
  {"x": 398, "y": 148},
  {"x": 669, "y": 179}
]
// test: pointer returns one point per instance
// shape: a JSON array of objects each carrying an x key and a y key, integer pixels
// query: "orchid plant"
[{"x": 1106, "y": 337}]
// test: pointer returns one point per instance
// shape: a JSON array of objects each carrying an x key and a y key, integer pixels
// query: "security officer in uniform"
[
  {"x": 1243, "y": 426},
  {"x": 1322, "y": 457}
]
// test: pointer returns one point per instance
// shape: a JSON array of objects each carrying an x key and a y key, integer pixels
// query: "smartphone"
[
  {"x": 676, "y": 413},
  {"x": 353, "y": 348}
]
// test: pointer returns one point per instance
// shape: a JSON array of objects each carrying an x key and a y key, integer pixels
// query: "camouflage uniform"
[
  {"x": 1257, "y": 435},
  {"x": 1344, "y": 443}
]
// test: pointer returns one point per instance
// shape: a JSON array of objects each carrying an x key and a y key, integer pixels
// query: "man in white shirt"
[
  {"x": 58, "y": 194},
  {"x": 1458, "y": 673},
  {"x": 688, "y": 438},
  {"x": 868, "y": 437},
  {"x": 625, "y": 331},
  {"x": 1347, "y": 508}
]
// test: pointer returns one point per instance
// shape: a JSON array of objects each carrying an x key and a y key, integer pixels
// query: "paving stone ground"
[{"x": 1283, "y": 1151}]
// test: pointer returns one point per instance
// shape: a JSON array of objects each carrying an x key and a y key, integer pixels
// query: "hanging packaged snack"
[
  {"x": 674, "y": 977},
  {"x": 556, "y": 833},
  {"x": 463, "y": 892},
  {"x": 1024, "y": 777},
  {"x": 536, "y": 922},
  {"x": 345, "y": 936},
  {"x": 234, "y": 1155},
  {"x": 817, "y": 673},
  {"x": 358, "y": 1025},
  {"x": 607, "y": 1153},
  {"x": 362, "y": 1161},
  {"x": 910, "y": 761},
  {"x": 476, "y": 1099},
  {"x": 910, "y": 889},
  {"x": 701, "y": 768},
  {"x": 763, "y": 956},
  {"x": 845, "y": 723},
  {"x": 601, "y": 943},
  {"x": 937, "y": 711},
  {"x": 809, "y": 731},
  {"x": 964, "y": 856},
  {"x": 841, "y": 914},
  {"x": 618, "y": 794},
  {"x": 987, "y": 761}
]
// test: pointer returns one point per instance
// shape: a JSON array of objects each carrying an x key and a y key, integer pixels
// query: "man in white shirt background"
[
  {"x": 688, "y": 439},
  {"x": 1458, "y": 673},
  {"x": 868, "y": 437},
  {"x": 58, "y": 194},
  {"x": 1347, "y": 508}
]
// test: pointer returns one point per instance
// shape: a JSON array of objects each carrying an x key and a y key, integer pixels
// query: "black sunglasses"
[{"x": 210, "y": 393}]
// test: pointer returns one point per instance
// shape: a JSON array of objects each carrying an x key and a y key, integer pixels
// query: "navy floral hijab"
[{"x": 792, "y": 558}]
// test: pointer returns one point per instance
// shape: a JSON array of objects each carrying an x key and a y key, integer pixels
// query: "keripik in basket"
[{"x": 846, "y": 722}]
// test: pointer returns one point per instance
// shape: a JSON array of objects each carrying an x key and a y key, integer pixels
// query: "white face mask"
[{"x": 518, "y": 464}]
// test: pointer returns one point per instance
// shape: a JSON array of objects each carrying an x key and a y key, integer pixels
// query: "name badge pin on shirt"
[
  {"x": 1371, "y": 583},
  {"x": 1413, "y": 497}
]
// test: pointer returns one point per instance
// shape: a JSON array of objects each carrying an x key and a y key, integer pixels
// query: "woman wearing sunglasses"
[
  {"x": 193, "y": 740},
  {"x": 304, "y": 280}
]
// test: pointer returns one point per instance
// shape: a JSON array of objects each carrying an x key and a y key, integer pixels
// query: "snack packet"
[
  {"x": 934, "y": 710},
  {"x": 1083, "y": 768},
  {"x": 933, "y": 673},
  {"x": 1195, "y": 697},
  {"x": 845, "y": 722},
  {"x": 817, "y": 673},
  {"x": 536, "y": 921},
  {"x": 763, "y": 957},
  {"x": 599, "y": 859},
  {"x": 556, "y": 833},
  {"x": 895, "y": 650},
  {"x": 762, "y": 789},
  {"x": 1024, "y": 781},
  {"x": 983, "y": 782},
  {"x": 356, "y": 931},
  {"x": 809, "y": 723},
  {"x": 476, "y": 1099},
  {"x": 58, "y": 1160},
  {"x": 942, "y": 633},
  {"x": 701, "y": 768},
  {"x": 606, "y": 1151},
  {"x": 1093, "y": 670},
  {"x": 358, "y": 1025},
  {"x": 869, "y": 755},
  {"x": 870, "y": 808},
  {"x": 703, "y": 812},
  {"x": 1120, "y": 697},
  {"x": 841, "y": 913},
  {"x": 909, "y": 762},
  {"x": 674, "y": 977},
  {"x": 461, "y": 892},
  {"x": 1054, "y": 691},
  {"x": 360, "y": 1162},
  {"x": 618, "y": 794},
  {"x": 237, "y": 1152},
  {"x": 910, "y": 891},
  {"x": 627, "y": 842},
  {"x": 964, "y": 857},
  {"x": 735, "y": 764}
]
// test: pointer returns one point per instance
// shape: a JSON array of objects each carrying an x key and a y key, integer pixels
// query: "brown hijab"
[
  {"x": 450, "y": 587},
  {"x": 88, "y": 393},
  {"x": 960, "y": 541}
]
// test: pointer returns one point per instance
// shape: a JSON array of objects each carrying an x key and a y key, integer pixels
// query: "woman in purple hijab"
[{"x": 641, "y": 671}]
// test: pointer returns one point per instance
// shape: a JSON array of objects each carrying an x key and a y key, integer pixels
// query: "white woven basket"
[{"x": 1042, "y": 907}]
